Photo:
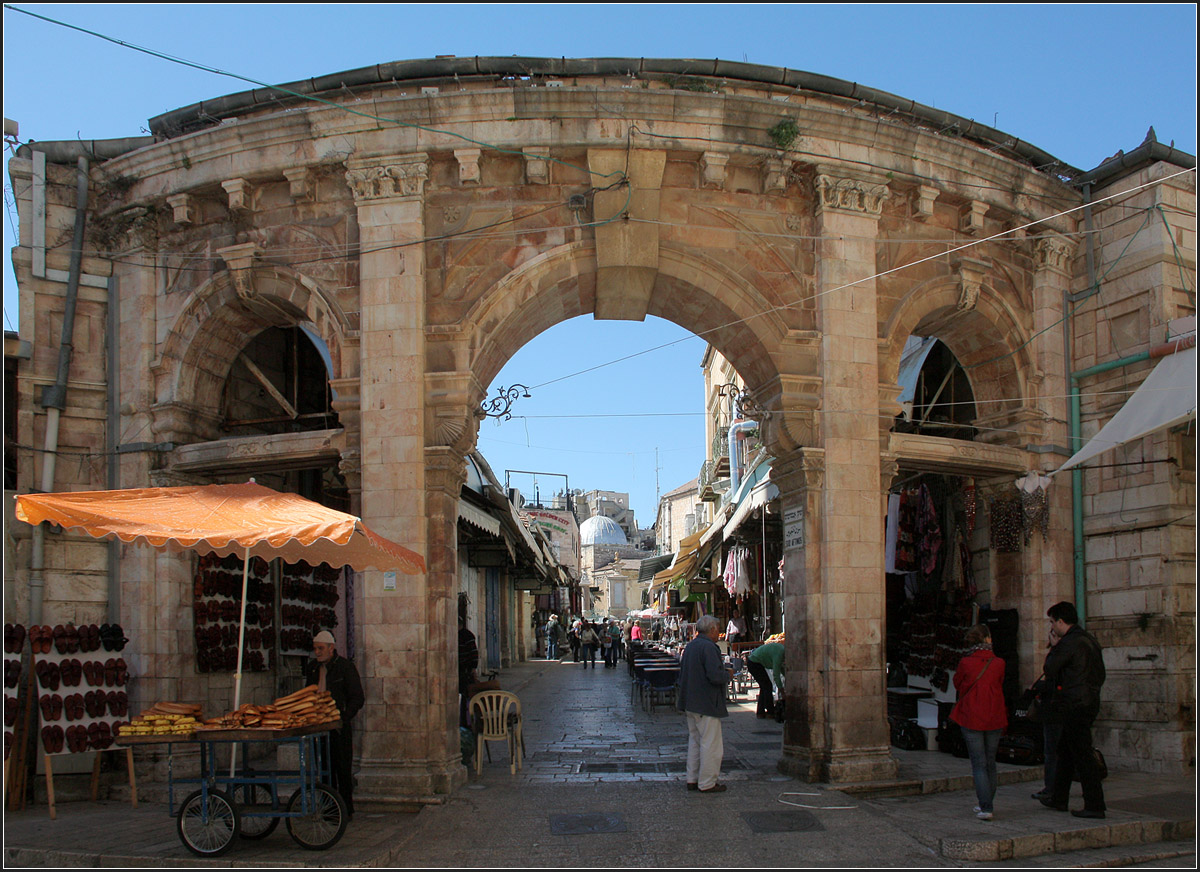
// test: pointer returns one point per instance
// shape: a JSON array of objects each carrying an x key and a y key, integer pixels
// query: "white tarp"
[{"x": 1166, "y": 398}]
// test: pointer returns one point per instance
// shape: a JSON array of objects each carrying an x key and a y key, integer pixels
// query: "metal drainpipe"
[
  {"x": 1076, "y": 428},
  {"x": 734, "y": 429},
  {"x": 113, "y": 555},
  {"x": 54, "y": 398}
]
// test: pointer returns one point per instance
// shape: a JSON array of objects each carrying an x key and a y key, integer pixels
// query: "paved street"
[{"x": 603, "y": 783}]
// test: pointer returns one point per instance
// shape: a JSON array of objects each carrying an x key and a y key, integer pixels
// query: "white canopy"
[{"x": 1166, "y": 398}]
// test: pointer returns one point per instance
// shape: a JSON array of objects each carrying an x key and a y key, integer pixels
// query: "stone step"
[{"x": 1144, "y": 835}]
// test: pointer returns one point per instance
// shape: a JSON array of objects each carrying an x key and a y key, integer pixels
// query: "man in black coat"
[
  {"x": 336, "y": 674},
  {"x": 1075, "y": 673}
]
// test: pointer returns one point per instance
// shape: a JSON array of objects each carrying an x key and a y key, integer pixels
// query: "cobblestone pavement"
[
  {"x": 602, "y": 783},
  {"x": 584, "y": 725}
]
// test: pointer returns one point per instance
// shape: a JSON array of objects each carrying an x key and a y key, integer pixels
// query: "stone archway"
[{"x": 208, "y": 334}]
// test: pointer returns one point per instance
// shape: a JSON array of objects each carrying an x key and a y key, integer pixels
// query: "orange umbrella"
[
  {"x": 246, "y": 519},
  {"x": 226, "y": 519}
]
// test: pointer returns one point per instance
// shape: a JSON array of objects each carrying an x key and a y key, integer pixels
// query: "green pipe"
[{"x": 1077, "y": 474}]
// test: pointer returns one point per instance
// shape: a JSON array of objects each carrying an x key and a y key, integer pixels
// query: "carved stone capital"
[
  {"x": 394, "y": 178},
  {"x": 776, "y": 175},
  {"x": 240, "y": 259},
  {"x": 712, "y": 169},
  {"x": 240, "y": 194},
  {"x": 923, "y": 199},
  {"x": 468, "y": 165},
  {"x": 537, "y": 164},
  {"x": 970, "y": 219},
  {"x": 889, "y": 468},
  {"x": 299, "y": 183},
  {"x": 861, "y": 196},
  {"x": 183, "y": 208},
  {"x": 1054, "y": 253}
]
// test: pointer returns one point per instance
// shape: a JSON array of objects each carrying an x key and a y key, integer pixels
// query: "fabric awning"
[
  {"x": 478, "y": 518},
  {"x": 759, "y": 496},
  {"x": 1165, "y": 399},
  {"x": 685, "y": 560},
  {"x": 225, "y": 519}
]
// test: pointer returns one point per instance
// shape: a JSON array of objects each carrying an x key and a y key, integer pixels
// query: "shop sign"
[
  {"x": 793, "y": 527},
  {"x": 701, "y": 587}
]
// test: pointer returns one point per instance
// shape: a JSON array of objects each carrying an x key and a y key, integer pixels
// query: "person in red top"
[{"x": 980, "y": 711}]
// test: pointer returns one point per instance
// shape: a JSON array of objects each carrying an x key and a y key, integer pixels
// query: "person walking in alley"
[
  {"x": 701, "y": 695},
  {"x": 552, "y": 638},
  {"x": 1075, "y": 674},
  {"x": 589, "y": 640},
  {"x": 614, "y": 651},
  {"x": 980, "y": 712},
  {"x": 329, "y": 671},
  {"x": 573, "y": 638},
  {"x": 762, "y": 658},
  {"x": 468, "y": 662}
]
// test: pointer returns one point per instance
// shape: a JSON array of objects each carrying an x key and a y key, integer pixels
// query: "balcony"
[
  {"x": 720, "y": 454},
  {"x": 706, "y": 480}
]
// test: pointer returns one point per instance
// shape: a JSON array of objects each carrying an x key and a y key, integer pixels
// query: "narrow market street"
[{"x": 602, "y": 782}]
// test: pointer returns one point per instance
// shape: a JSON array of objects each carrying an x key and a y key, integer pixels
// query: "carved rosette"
[
  {"x": 398, "y": 178},
  {"x": 851, "y": 195}
]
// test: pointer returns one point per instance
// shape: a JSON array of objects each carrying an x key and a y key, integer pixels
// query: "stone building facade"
[{"x": 804, "y": 226}]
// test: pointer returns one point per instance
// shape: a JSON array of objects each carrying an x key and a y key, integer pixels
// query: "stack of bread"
[
  {"x": 303, "y": 708},
  {"x": 778, "y": 637},
  {"x": 164, "y": 719}
]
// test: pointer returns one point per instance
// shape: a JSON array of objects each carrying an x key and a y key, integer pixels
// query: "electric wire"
[
  {"x": 633, "y": 129},
  {"x": 207, "y": 69}
]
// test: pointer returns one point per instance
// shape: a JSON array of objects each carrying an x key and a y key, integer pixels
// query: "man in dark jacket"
[
  {"x": 336, "y": 674},
  {"x": 1075, "y": 673},
  {"x": 701, "y": 695}
]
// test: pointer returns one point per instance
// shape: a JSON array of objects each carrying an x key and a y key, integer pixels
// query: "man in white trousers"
[{"x": 701, "y": 696}]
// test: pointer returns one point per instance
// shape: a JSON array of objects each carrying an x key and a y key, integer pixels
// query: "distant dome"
[{"x": 599, "y": 530}]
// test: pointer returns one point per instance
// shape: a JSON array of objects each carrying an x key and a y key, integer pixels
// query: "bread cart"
[{"x": 249, "y": 804}]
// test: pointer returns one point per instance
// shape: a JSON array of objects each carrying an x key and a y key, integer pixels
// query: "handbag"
[{"x": 1030, "y": 704}]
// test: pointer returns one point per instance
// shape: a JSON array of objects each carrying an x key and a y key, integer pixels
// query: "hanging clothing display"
[
  {"x": 737, "y": 573},
  {"x": 1034, "y": 508},
  {"x": 893, "y": 525},
  {"x": 1006, "y": 524},
  {"x": 929, "y": 544},
  {"x": 906, "y": 533}
]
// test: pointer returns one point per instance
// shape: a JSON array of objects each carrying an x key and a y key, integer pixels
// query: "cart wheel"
[
  {"x": 325, "y": 822},
  {"x": 254, "y": 827},
  {"x": 208, "y": 832}
]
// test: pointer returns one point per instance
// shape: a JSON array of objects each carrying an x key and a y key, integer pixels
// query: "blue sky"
[{"x": 1079, "y": 81}]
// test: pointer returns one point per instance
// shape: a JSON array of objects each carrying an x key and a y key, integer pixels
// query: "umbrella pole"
[{"x": 237, "y": 676}]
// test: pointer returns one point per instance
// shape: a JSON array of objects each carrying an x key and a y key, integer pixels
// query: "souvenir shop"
[
  {"x": 945, "y": 547},
  {"x": 748, "y": 575}
]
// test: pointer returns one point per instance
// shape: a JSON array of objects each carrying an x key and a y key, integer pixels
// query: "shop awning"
[
  {"x": 686, "y": 559},
  {"x": 755, "y": 492},
  {"x": 478, "y": 518},
  {"x": 1165, "y": 399}
]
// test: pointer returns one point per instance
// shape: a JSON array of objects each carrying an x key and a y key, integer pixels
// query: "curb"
[{"x": 1085, "y": 838}]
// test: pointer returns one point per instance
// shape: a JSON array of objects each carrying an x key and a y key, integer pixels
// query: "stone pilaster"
[
  {"x": 840, "y": 589},
  {"x": 405, "y": 714}
]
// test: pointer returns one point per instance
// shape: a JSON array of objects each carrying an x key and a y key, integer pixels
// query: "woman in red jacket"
[{"x": 980, "y": 711}]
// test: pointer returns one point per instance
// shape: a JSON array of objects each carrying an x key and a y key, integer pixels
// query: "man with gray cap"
[
  {"x": 701, "y": 695},
  {"x": 331, "y": 672}
]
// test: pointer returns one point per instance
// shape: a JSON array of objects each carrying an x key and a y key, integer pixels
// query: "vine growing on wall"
[{"x": 784, "y": 134}]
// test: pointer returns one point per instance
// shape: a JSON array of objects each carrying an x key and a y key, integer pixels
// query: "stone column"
[
  {"x": 1048, "y": 569},
  {"x": 402, "y": 722},
  {"x": 837, "y": 593}
]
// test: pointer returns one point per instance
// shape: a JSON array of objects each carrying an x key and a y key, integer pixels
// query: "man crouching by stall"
[{"x": 334, "y": 673}]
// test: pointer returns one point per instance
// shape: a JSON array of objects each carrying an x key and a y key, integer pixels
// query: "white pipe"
[{"x": 735, "y": 429}]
